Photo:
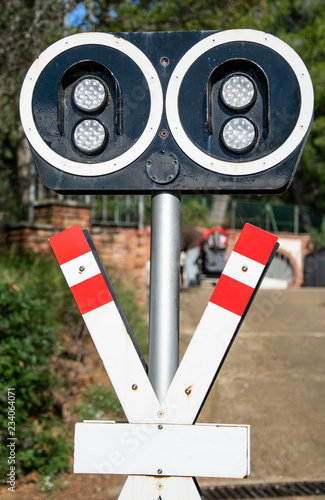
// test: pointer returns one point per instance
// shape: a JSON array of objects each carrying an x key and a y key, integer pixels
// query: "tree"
[
  {"x": 27, "y": 27},
  {"x": 300, "y": 23},
  {"x": 164, "y": 15}
]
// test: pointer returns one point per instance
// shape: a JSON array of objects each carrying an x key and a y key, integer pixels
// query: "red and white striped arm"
[
  {"x": 219, "y": 324},
  {"x": 105, "y": 324}
]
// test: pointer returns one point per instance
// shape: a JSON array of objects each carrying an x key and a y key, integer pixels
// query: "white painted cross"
[{"x": 160, "y": 447}]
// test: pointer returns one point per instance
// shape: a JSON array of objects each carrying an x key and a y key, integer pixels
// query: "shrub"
[
  {"x": 28, "y": 331},
  {"x": 99, "y": 403},
  {"x": 35, "y": 306}
]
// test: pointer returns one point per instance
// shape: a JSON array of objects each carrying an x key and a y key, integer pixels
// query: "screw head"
[
  {"x": 164, "y": 61},
  {"x": 163, "y": 133},
  {"x": 134, "y": 387},
  {"x": 188, "y": 390},
  {"x": 81, "y": 269},
  {"x": 244, "y": 269},
  {"x": 159, "y": 471},
  {"x": 160, "y": 414},
  {"x": 160, "y": 427}
]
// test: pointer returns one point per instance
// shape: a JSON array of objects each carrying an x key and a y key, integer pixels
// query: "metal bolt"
[
  {"x": 244, "y": 269},
  {"x": 163, "y": 133},
  {"x": 160, "y": 486},
  {"x": 164, "y": 61},
  {"x": 81, "y": 269},
  {"x": 188, "y": 390},
  {"x": 159, "y": 471},
  {"x": 160, "y": 427},
  {"x": 134, "y": 387},
  {"x": 160, "y": 414}
]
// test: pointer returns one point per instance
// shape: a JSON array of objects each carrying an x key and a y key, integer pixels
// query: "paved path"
[{"x": 273, "y": 379}]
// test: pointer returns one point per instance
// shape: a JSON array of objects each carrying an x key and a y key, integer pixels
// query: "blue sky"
[{"x": 78, "y": 14}]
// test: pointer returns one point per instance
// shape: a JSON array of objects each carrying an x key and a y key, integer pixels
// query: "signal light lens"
[
  {"x": 238, "y": 92},
  {"x": 239, "y": 134},
  {"x": 90, "y": 94},
  {"x": 90, "y": 136}
]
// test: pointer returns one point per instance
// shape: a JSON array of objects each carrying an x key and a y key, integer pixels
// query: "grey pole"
[{"x": 164, "y": 290}]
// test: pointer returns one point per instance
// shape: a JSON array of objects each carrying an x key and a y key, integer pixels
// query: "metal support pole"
[{"x": 164, "y": 290}]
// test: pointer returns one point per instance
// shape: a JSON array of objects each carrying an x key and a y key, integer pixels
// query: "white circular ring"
[
  {"x": 253, "y": 166},
  {"x": 107, "y": 167}
]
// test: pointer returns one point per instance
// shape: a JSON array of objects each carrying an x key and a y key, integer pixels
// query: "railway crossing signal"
[
  {"x": 165, "y": 114},
  {"x": 161, "y": 438},
  {"x": 212, "y": 112}
]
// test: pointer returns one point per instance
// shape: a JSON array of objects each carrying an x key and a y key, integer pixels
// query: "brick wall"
[
  {"x": 126, "y": 250},
  {"x": 62, "y": 215},
  {"x": 293, "y": 246}
]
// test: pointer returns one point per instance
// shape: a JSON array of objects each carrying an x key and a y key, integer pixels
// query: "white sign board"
[{"x": 205, "y": 450}]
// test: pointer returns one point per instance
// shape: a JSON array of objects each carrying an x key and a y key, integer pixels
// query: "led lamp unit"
[
  {"x": 239, "y": 134},
  {"x": 190, "y": 112},
  {"x": 89, "y": 94},
  {"x": 89, "y": 136},
  {"x": 238, "y": 92}
]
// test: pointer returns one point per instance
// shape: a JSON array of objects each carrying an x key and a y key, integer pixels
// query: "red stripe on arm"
[
  {"x": 232, "y": 295},
  {"x": 69, "y": 244},
  {"x": 91, "y": 294},
  {"x": 255, "y": 243}
]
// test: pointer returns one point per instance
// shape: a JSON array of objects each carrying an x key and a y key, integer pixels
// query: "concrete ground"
[{"x": 273, "y": 379}]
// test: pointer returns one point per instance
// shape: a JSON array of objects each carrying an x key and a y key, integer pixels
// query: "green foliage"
[
  {"x": 133, "y": 313},
  {"x": 165, "y": 15},
  {"x": 195, "y": 210},
  {"x": 318, "y": 237},
  {"x": 300, "y": 23},
  {"x": 46, "y": 447},
  {"x": 120, "y": 209},
  {"x": 29, "y": 338},
  {"x": 99, "y": 403},
  {"x": 28, "y": 27},
  {"x": 35, "y": 305}
]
